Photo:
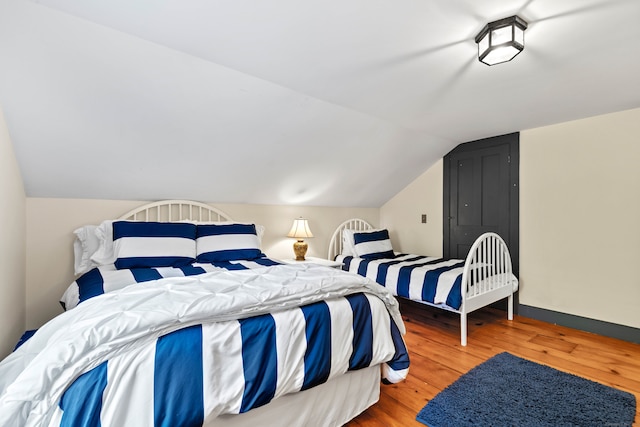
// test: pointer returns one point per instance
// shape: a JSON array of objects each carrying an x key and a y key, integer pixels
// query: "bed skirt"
[{"x": 330, "y": 404}]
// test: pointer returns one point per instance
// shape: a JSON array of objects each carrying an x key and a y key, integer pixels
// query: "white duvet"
[{"x": 33, "y": 378}]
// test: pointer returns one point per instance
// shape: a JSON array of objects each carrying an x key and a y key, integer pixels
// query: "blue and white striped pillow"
[
  {"x": 153, "y": 244},
  {"x": 228, "y": 242},
  {"x": 373, "y": 244}
]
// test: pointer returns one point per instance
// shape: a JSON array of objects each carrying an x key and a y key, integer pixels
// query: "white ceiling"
[{"x": 314, "y": 102}]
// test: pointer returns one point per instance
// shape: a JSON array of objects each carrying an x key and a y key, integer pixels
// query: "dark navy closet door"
[{"x": 481, "y": 194}]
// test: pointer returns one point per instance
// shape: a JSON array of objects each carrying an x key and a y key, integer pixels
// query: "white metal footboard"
[{"x": 487, "y": 277}]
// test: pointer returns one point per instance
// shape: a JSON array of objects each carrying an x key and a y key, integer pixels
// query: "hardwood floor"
[{"x": 437, "y": 359}]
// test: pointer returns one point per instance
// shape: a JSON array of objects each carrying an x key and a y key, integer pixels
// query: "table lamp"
[{"x": 300, "y": 230}]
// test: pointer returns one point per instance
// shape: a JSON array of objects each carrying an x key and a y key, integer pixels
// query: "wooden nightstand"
[{"x": 314, "y": 260}]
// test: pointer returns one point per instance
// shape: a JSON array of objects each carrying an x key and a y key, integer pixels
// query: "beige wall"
[
  {"x": 12, "y": 245},
  {"x": 578, "y": 228},
  {"x": 579, "y": 217},
  {"x": 50, "y": 225},
  {"x": 402, "y": 215}
]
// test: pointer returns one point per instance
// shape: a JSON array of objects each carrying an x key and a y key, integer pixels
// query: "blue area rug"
[{"x": 509, "y": 391}]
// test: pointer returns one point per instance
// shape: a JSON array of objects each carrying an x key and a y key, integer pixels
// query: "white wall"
[
  {"x": 579, "y": 217},
  {"x": 12, "y": 245},
  {"x": 50, "y": 225}
]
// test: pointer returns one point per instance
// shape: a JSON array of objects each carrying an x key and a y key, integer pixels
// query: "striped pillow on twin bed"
[
  {"x": 227, "y": 242},
  {"x": 153, "y": 244},
  {"x": 373, "y": 244}
]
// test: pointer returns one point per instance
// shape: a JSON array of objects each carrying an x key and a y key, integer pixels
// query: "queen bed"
[
  {"x": 177, "y": 318},
  {"x": 460, "y": 286}
]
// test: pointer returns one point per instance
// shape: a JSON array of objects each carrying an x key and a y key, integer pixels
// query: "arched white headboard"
[
  {"x": 335, "y": 244},
  {"x": 176, "y": 210}
]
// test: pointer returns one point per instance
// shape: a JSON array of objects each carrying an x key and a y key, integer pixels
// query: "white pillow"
[
  {"x": 105, "y": 254},
  {"x": 85, "y": 244},
  {"x": 348, "y": 248}
]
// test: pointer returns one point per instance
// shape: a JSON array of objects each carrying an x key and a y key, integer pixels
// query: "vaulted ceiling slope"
[{"x": 314, "y": 102}]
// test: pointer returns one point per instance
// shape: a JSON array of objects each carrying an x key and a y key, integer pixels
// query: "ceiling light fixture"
[{"x": 500, "y": 41}]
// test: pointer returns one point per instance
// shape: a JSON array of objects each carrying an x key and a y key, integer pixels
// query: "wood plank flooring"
[{"x": 437, "y": 359}]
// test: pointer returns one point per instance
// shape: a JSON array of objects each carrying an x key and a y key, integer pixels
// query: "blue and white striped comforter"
[
  {"x": 418, "y": 278},
  {"x": 107, "y": 278},
  {"x": 180, "y": 350}
]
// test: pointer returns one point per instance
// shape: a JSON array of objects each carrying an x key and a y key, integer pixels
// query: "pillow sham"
[
  {"x": 227, "y": 242},
  {"x": 85, "y": 244},
  {"x": 153, "y": 244},
  {"x": 373, "y": 244},
  {"x": 348, "y": 244},
  {"x": 259, "y": 228}
]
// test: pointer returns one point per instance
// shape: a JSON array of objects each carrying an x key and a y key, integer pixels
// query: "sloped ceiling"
[{"x": 286, "y": 101}]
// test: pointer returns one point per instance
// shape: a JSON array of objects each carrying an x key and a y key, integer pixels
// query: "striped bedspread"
[
  {"x": 176, "y": 351},
  {"x": 419, "y": 278},
  {"x": 107, "y": 278}
]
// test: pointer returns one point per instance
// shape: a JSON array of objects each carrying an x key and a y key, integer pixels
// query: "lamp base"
[{"x": 300, "y": 249}]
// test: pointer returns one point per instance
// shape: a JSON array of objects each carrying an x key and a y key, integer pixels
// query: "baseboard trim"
[{"x": 600, "y": 327}]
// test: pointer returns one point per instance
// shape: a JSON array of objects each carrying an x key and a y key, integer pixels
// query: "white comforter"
[{"x": 33, "y": 378}]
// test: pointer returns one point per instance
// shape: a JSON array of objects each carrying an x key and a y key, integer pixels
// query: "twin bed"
[
  {"x": 460, "y": 286},
  {"x": 216, "y": 333}
]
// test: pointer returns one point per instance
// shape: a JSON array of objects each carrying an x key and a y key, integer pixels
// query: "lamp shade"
[
  {"x": 300, "y": 229},
  {"x": 500, "y": 41}
]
